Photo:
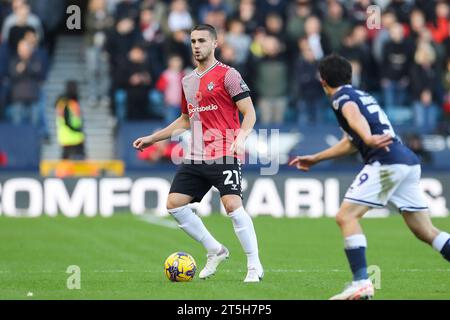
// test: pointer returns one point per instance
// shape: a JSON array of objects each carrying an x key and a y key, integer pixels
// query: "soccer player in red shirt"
[{"x": 213, "y": 95}]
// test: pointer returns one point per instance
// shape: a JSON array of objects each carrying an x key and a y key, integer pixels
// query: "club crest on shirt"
[{"x": 210, "y": 86}]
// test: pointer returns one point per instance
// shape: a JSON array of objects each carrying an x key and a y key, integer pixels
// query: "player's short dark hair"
[
  {"x": 335, "y": 70},
  {"x": 207, "y": 27}
]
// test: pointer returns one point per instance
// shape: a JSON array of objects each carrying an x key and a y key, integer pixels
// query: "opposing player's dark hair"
[
  {"x": 207, "y": 27},
  {"x": 335, "y": 70}
]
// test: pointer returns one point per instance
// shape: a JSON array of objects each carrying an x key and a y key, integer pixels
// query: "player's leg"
[
  {"x": 189, "y": 222},
  {"x": 410, "y": 200},
  {"x": 227, "y": 178},
  {"x": 371, "y": 189},
  {"x": 245, "y": 231},
  {"x": 189, "y": 186},
  {"x": 355, "y": 245},
  {"x": 421, "y": 226}
]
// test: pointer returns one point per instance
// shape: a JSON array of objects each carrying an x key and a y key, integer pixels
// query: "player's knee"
[
  {"x": 172, "y": 203},
  {"x": 342, "y": 218},
  {"x": 231, "y": 206}
]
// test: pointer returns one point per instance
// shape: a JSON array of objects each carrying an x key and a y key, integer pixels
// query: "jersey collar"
[{"x": 207, "y": 70}]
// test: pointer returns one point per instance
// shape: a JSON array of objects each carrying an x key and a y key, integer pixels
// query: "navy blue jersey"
[{"x": 379, "y": 124}]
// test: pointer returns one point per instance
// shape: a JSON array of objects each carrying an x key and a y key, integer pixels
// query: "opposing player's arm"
[
  {"x": 178, "y": 126},
  {"x": 359, "y": 124},
  {"x": 340, "y": 149}
]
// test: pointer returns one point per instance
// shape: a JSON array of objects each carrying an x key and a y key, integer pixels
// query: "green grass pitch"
[{"x": 122, "y": 258}]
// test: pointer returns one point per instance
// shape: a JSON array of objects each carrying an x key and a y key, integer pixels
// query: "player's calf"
[
  {"x": 421, "y": 226},
  {"x": 194, "y": 227},
  {"x": 442, "y": 244}
]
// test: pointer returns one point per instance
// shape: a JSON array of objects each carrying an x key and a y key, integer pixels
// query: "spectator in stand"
[
  {"x": 239, "y": 41},
  {"x": 266, "y": 7},
  {"x": 17, "y": 24},
  {"x": 180, "y": 44},
  {"x": 358, "y": 10},
  {"x": 213, "y": 6},
  {"x": 417, "y": 24},
  {"x": 217, "y": 19},
  {"x": 423, "y": 83},
  {"x": 134, "y": 77},
  {"x": 317, "y": 40},
  {"x": 402, "y": 9},
  {"x": 439, "y": 26},
  {"x": 309, "y": 92},
  {"x": 275, "y": 27},
  {"x": 395, "y": 67},
  {"x": 41, "y": 54},
  {"x": 119, "y": 41},
  {"x": 228, "y": 56},
  {"x": 98, "y": 21},
  {"x": 52, "y": 14},
  {"x": 169, "y": 84},
  {"x": 247, "y": 14},
  {"x": 383, "y": 35},
  {"x": 355, "y": 48},
  {"x": 179, "y": 16},
  {"x": 335, "y": 26},
  {"x": 446, "y": 102},
  {"x": 153, "y": 37},
  {"x": 25, "y": 72},
  {"x": 159, "y": 12},
  {"x": 446, "y": 46},
  {"x": 271, "y": 82},
  {"x": 296, "y": 21},
  {"x": 127, "y": 9}
]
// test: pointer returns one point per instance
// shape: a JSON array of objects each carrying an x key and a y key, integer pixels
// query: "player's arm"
[
  {"x": 247, "y": 109},
  {"x": 178, "y": 126},
  {"x": 340, "y": 149},
  {"x": 359, "y": 124}
]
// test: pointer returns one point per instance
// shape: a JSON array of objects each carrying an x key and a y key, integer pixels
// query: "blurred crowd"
[
  {"x": 28, "y": 32},
  {"x": 402, "y": 56}
]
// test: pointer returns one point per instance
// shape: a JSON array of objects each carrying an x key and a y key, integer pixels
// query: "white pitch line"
[
  {"x": 158, "y": 221},
  {"x": 226, "y": 271}
]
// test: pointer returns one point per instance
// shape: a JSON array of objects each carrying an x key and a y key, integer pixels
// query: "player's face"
[{"x": 202, "y": 44}]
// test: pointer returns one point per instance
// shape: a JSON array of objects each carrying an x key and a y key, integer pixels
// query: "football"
[{"x": 180, "y": 267}]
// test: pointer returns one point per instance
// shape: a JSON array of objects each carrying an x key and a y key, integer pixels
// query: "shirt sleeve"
[
  {"x": 184, "y": 108},
  {"x": 339, "y": 102},
  {"x": 235, "y": 85}
]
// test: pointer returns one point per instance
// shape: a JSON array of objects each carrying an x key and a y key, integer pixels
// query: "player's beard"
[{"x": 202, "y": 57}]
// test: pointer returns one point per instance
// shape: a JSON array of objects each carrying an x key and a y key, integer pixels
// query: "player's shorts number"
[{"x": 228, "y": 179}]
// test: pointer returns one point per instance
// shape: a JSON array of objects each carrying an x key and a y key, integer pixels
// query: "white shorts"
[{"x": 376, "y": 185}]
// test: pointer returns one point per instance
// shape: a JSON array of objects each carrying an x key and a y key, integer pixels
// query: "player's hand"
[
  {"x": 379, "y": 141},
  {"x": 303, "y": 162},
  {"x": 238, "y": 146},
  {"x": 143, "y": 142}
]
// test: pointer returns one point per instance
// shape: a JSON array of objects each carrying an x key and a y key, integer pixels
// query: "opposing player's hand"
[
  {"x": 380, "y": 141},
  {"x": 143, "y": 142},
  {"x": 303, "y": 162}
]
